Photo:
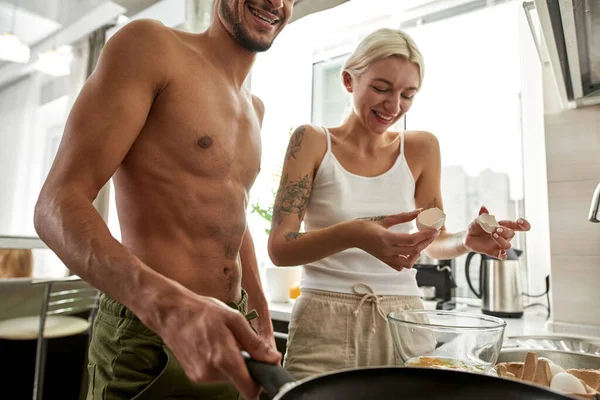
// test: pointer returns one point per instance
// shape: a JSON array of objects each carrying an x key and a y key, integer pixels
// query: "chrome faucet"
[{"x": 595, "y": 207}]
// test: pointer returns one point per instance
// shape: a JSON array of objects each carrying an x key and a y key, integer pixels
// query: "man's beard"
[{"x": 240, "y": 32}]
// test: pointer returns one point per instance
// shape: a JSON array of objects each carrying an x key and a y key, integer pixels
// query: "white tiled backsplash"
[{"x": 573, "y": 167}]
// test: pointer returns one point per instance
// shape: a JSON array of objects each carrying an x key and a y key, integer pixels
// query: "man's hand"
[
  {"x": 268, "y": 336},
  {"x": 206, "y": 336},
  {"x": 493, "y": 244},
  {"x": 398, "y": 250},
  {"x": 264, "y": 327}
]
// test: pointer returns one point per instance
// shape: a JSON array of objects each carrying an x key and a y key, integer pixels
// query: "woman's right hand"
[{"x": 398, "y": 250}]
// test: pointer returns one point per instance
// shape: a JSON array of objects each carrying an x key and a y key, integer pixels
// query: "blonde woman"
[{"x": 356, "y": 187}]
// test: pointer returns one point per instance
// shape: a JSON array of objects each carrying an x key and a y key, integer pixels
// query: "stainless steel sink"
[
  {"x": 566, "y": 359},
  {"x": 559, "y": 343}
]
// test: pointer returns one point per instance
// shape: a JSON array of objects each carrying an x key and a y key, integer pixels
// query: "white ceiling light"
[
  {"x": 55, "y": 62},
  {"x": 11, "y": 48}
]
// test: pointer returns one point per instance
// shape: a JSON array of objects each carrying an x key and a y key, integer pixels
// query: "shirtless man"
[{"x": 166, "y": 112}]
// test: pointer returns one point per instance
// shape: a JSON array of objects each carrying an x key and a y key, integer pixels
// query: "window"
[
  {"x": 330, "y": 104},
  {"x": 33, "y": 111},
  {"x": 472, "y": 86}
]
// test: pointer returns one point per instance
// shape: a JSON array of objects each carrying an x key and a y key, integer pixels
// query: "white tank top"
[{"x": 339, "y": 195}]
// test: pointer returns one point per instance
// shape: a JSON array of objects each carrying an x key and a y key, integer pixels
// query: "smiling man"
[{"x": 166, "y": 115}]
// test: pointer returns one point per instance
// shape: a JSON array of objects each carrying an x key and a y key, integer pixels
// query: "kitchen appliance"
[
  {"x": 438, "y": 274},
  {"x": 566, "y": 37},
  {"x": 566, "y": 359},
  {"x": 427, "y": 292},
  {"x": 406, "y": 383},
  {"x": 499, "y": 284}
]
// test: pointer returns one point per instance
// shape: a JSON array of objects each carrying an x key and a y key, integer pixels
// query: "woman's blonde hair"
[
  {"x": 383, "y": 43},
  {"x": 16, "y": 263}
]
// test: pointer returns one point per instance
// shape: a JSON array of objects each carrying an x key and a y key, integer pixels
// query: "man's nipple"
[{"x": 205, "y": 142}]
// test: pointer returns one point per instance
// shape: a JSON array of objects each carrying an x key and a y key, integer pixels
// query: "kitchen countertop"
[{"x": 533, "y": 322}]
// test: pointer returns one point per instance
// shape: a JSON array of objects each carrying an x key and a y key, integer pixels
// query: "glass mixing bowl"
[{"x": 446, "y": 339}]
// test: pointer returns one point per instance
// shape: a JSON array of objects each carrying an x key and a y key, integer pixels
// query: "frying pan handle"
[{"x": 271, "y": 377}]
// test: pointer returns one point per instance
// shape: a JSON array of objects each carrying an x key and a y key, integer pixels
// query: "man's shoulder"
[
  {"x": 144, "y": 35},
  {"x": 141, "y": 51},
  {"x": 144, "y": 45},
  {"x": 145, "y": 27}
]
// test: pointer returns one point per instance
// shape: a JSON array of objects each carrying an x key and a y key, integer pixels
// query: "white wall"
[
  {"x": 573, "y": 168},
  {"x": 573, "y": 157}
]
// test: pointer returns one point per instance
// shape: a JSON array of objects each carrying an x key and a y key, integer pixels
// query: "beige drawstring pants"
[{"x": 331, "y": 331}]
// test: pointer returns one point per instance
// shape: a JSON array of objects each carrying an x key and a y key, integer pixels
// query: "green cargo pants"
[{"x": 129, "y": 361}]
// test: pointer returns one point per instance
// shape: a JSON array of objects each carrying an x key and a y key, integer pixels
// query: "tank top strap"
[
  {"x": 401, "y": 143},
  {"x": 328, "y": 136}
]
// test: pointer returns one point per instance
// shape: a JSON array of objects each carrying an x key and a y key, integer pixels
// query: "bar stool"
[
  {"x": 68, "y": 308},
  {"x": 66, "y": 298}
]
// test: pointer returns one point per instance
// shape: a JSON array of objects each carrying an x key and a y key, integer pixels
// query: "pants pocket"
[
  {"x": 297, "y": 314},
  {"x": 319, "y": 342}
]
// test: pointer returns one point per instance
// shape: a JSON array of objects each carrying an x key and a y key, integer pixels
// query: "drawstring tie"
[
  {"x": 251, "y": 315},
  {"x": 375, "y": 300},
  {"x": 242, "y": 307}
]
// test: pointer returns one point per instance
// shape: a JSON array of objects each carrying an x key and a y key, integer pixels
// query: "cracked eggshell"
[
  {"x": 487, "y": 222},
  {"x": 567, "y": 383},
  {"x": 431, "y": 218},
  {"x": 554, "y": 368},
  {"x": 547, "y": 359}
]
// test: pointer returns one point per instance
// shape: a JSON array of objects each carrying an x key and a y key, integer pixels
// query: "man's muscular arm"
[{"x": 106, "y": 119}]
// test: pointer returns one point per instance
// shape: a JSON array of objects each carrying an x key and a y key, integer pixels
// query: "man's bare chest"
[{"x": 206, "y": 133}]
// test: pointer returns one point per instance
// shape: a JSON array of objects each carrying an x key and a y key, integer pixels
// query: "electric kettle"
[{"x": 499, "y": 284}]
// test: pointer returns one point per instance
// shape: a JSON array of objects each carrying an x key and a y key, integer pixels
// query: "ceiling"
[
  {"x": 135, "y": 6},
  {"x": 34, "y": 20},
  {"x": 37, "y": 19},
  {"x": 28, "y": 26}
]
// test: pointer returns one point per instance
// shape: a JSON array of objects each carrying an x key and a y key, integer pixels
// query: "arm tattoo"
[
  {"x": 378, "y": 218},
  {"x": 289, "y": 236},
  {"x": 295, "y": 142},
  {"x": 292, "y": 197},
  {"x": 435, "y": 203}
]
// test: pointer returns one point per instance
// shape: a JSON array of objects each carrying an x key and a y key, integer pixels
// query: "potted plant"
[
  {"x": 279, "y": 280},
  {"x": 265, "y": 213}
]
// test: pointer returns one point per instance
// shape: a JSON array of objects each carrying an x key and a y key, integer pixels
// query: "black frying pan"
[{"x": 394, "y": 383}]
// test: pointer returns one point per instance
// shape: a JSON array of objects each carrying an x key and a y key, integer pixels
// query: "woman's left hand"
[{"x": 493, "y": 244}]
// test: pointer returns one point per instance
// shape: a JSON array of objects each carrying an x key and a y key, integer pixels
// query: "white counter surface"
[{"x": 533, "y": 322}]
